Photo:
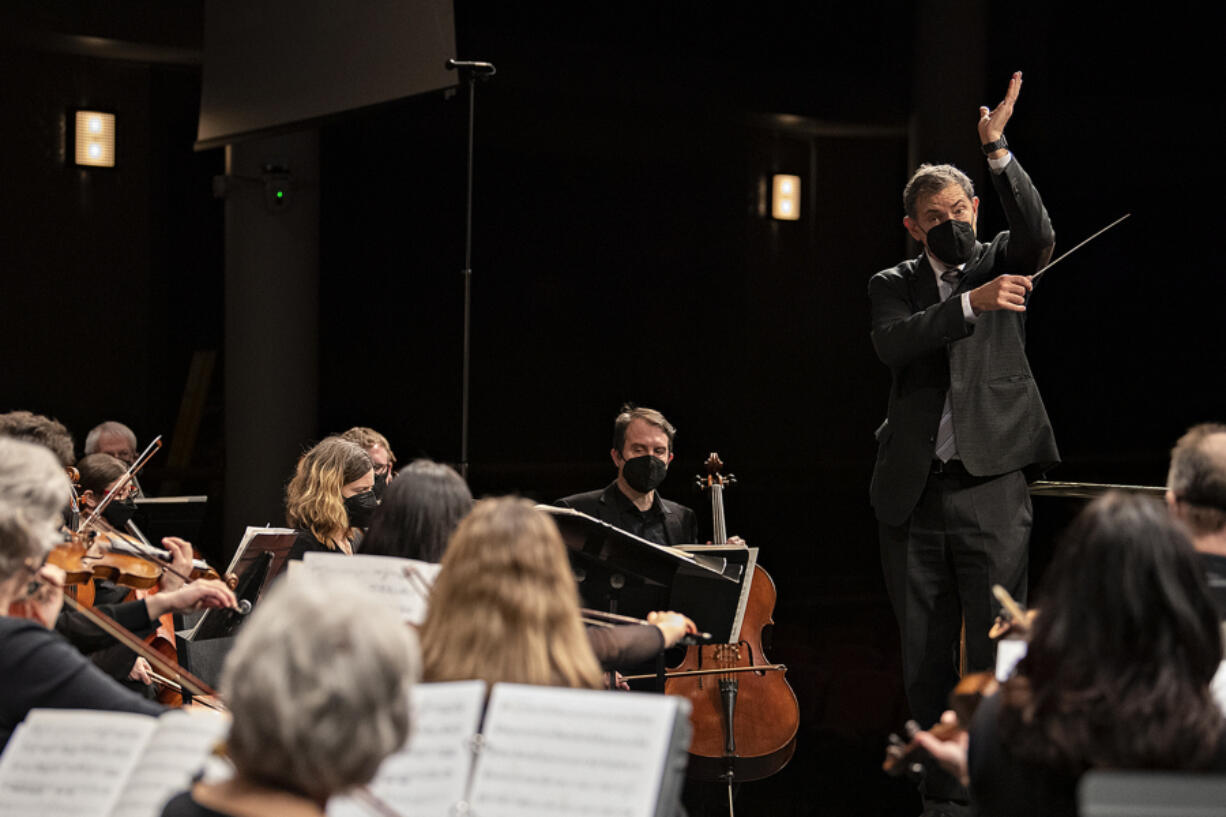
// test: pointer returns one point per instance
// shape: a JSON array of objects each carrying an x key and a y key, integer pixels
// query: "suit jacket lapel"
[{"x": 972, "y": 276}]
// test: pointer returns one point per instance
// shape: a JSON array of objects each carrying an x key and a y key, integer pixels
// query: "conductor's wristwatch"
[{"x": 992, "y": 147}]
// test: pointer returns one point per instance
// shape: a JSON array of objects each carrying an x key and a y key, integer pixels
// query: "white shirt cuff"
[
  {"x": 998, "y": 165},
  {"x": 967, "y": 312}
]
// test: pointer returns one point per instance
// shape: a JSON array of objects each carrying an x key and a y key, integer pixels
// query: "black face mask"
[
  {"x": 119, "y": 511},
  {"x": 380, "y": 485},
  {"x": 644, "y": 474},
  {"x": 952, "y": 241},
  {"x": 361, "y": 507}
]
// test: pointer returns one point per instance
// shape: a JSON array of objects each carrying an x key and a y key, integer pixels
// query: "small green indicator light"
[{"x": 280, "y": 194}]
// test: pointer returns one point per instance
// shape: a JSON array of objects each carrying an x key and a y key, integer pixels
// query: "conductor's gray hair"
[
  {"x": 318, "y": 683},
  {"x": 33, "y": 491},
  {"x": 109, "y": 427},
  {"x": 928, "y": 180}
]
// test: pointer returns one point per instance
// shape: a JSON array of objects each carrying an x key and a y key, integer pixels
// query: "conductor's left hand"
[{"x": 992, "y": 123}]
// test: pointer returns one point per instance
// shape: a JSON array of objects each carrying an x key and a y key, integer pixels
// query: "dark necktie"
[{"x": 946, "y": 447}]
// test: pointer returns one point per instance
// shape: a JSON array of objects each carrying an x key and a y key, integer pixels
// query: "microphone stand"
[{"x": 470, "y": 71}]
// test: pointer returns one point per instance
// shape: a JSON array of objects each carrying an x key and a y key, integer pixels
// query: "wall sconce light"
[
  {"x": 94, "y": 139},
  {"x": 785, "y": 197}
]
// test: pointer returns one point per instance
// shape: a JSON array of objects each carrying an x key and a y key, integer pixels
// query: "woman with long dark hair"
[
  {"x": 421, "y": 508},
  {"x": 1117, "y": 672}
]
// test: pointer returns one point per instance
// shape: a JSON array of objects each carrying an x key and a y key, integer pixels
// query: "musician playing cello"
[{"x": 642, "y": 450}]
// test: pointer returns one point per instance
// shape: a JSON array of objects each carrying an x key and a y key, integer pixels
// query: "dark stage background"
[{"x": 620, "y": 256}]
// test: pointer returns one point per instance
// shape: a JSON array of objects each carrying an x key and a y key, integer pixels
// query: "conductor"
[{"x": 965, "y": 419}]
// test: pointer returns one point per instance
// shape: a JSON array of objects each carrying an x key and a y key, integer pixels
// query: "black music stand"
[
  {"x": 622, "y": 573},
  {"x": 251, "y": 582},
  {"x": 181, "y": 516}
]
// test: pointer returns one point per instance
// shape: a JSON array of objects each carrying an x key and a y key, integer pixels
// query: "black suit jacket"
[
  {"x": 999, "y": 420},
  {"x": 680, "y": 524}
]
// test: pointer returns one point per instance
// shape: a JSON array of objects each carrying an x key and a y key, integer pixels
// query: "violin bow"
[
  {"x": 123, "y": 481},
  {"x": 125, "y": 636}
]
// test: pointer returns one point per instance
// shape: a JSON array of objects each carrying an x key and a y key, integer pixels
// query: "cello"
[{"x": 743, "y": 712}]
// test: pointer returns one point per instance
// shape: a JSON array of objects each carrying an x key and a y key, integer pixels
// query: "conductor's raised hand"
[
  {"x": 1003, "y": 292},
  {"x": 992, "y": 123}
]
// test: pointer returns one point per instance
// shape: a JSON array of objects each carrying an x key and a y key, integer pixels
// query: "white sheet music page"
[
  {"x": 404, "y": 584},
  {"x": 430, "y": 775},
  {"x": 567, "y": 752},
  {"x": 177, "y": 750},
  {"x": 70, "y": 762},
  {"x": 249, "y": 534}
]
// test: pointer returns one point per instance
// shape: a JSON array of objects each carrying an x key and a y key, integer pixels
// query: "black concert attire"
[
  {"x": 305, "y": 542},
  {"x": 951, "y": 529},
  {"x": 39, "y": 668},
  {"x": 665, "y": 522},
  {"x": 1215, "y": 574},
  {"x": 1003, "y": 786},
  {"x": 245, "y": 799},
  {"x": 98, "y": 645},
  {"x": 182, "y": 805}
]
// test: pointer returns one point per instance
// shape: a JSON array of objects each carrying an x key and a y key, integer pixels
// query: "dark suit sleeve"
[
  {"x": 1031, "y": 237},
  {"x": 900, "y": 334}
]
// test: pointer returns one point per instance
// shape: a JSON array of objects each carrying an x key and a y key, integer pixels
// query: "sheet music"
[
  {"x": 403, "y": 584},
  {"x": 177, "y": 750},
  {"x": 430, "y": 775},
  {"x": 565, "y": 752},
  {"x": 70, "y": 763},
  {"x": 1218, "y": 686},
  {"x": 250, "y": 534},
  {"x": 1008, "y": 652}
]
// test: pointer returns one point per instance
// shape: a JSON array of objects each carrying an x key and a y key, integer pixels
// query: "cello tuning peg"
[
  {"x": 912, "y": 729},
  {"x": 730, "y": 479}
]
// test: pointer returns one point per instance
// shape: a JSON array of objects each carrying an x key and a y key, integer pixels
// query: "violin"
[
  {"x": 907, "y": 756},
  {"x": 134, "y": 544},
  {"x": 96, "y": 550},
  {"x": 743, "y": 711},
  {"x": 83, "y": 557}
]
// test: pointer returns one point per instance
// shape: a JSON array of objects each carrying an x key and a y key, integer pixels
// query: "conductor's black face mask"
[{"x": 952, "y": 241}]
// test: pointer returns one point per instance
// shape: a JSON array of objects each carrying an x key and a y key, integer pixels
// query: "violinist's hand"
[
  {"x": 672, "y": 625},
  {"x": 48, "y": 599},
  {"x": 199, "y": 595},
  {"x": 181, "y": 563},
  {"x": 951, "y": 754},
  {"x": 140, "y": 672}
]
